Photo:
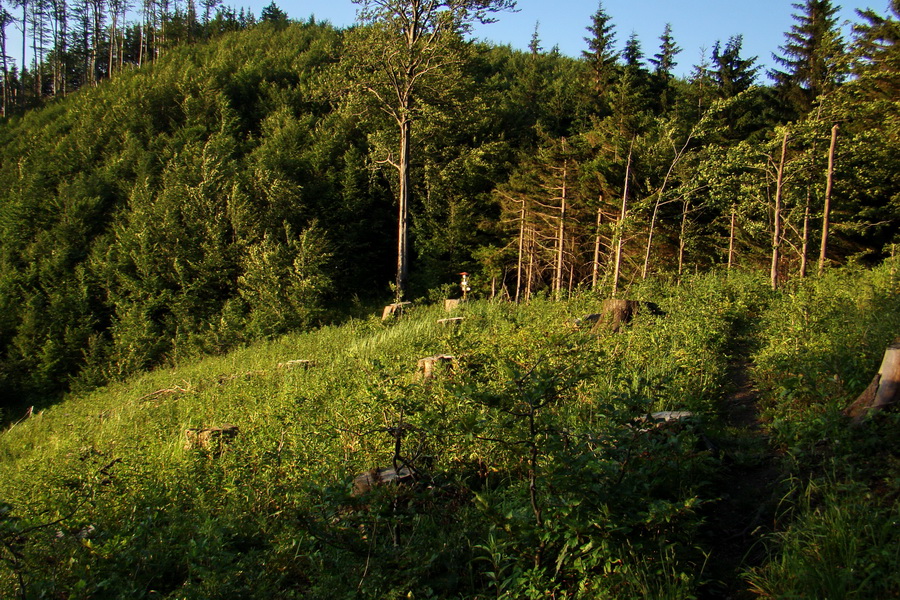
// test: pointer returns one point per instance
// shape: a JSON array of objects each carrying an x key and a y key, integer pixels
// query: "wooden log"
[
  {"x": 395, "y": 309},
  {"x": 210, "y": 438},
  {"x": 451, "y": 321},
  {"x": 426, "y": 365},
  {"x": 884, "y": 389},
  {"x": 296, "y": 364}
]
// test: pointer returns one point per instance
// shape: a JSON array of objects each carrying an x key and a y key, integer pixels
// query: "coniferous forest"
[
  {"x": 194, "y": 180},
  {"x": 195, "y": 190}
]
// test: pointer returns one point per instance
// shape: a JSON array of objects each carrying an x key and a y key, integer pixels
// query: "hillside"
[
  {"x": 246, "y": 184},
  {"x": 535, "y": 473}
]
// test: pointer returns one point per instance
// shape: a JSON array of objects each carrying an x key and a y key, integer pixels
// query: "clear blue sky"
[{"x": 696, "y": 24}]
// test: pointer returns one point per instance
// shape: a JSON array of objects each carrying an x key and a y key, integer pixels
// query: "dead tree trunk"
[
  {"x": 884, "y": 389},
  {"x": 620, "y": 226},
  {"x": 595, "y": 271},
  {"x": 521, "y": 250},
  {"x": 776, "y": 236},
  {"x": 804, "y": 247},
  {"x": 827, "y": 211},
  {"x": 681, "y": 235},
  {"x": 731, "y": 238},
  {"x": 561, "y": 234}
]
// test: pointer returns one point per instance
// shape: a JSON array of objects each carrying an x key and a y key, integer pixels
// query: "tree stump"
[
  {"x": 884, "y": 389},
  {"x": 210, "y": 439},
  {"x": 452, "y": 304},
  {"x": 364, "y": 482},
  {"x": 426, "y": 365},
  {"x": 395, "y": 309},
  {"x": 615, "y": 313}
]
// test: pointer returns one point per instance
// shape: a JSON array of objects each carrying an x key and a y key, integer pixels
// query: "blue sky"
[{"x": 696, "y": 24}]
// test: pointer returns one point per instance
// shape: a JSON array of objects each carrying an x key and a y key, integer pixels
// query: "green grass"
[{"x": 535, "y": 479}]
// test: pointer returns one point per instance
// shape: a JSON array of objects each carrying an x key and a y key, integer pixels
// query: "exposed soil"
[{"x": 748, "y": 489}]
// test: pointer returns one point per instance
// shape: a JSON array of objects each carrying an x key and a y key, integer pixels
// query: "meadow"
[{"x": 536, "y": 470}]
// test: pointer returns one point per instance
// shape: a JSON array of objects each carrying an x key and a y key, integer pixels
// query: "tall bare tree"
[{"x": 406, "y": 46}]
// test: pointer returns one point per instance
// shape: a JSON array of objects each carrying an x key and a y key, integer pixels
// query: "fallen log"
[{"x": 884, "y": 389}]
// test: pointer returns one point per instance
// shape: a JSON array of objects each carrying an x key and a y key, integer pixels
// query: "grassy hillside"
[{"x": 536, "y": 475}]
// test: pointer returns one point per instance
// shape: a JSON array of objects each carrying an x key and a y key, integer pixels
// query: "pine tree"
[
  {"x": 664, "y": 63},
  {"x": 731, "y": 73},
  {"x": 813, "y": 55},
  {"x": 632, "y": 54},
  {"x": 600, "y": 55},
  {"x": 877, "y": 52}
]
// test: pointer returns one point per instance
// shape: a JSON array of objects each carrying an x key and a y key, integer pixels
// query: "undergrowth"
[{"x": 537, "y": 472}]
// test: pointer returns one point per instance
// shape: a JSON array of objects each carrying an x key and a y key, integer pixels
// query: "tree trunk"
[
  {"x": 827, "y": 211},
  {"x": 595, "y": 272},
  {"x": 561, "y": 235},
  {"x": 684, "y": 215},
  {"x": 521, "y": 251},
  {"x": 403, "y": 208},
  {"x": 776, "y": 236},
  {"x": 621, "y": 224},
  {"x": 731, "y": 238},
  {"x": 884, "y": 389},
  {"x": 804, "y": 246},
  {"x": 530, "y": 273}
]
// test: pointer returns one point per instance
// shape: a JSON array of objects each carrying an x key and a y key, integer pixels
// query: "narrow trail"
[{"x": 748, "y": 487}]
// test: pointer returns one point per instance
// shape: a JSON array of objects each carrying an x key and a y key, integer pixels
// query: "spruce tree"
[
  {"x": 875, "y": 52},
  {"x": 664, "y": 63},
  {"x": 731, "y": 73},
  {"x": 601, "y": 56},
  {"x": 812, "y": 56}
]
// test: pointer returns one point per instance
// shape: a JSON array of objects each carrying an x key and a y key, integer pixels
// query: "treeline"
[
  {"x": 77, "y": 43},
  {"x": 237, "y": 188}
]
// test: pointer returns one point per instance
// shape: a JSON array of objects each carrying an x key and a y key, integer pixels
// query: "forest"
[
  {"x": 203, "y": 213},
  {"x": 197, "y": 179}
]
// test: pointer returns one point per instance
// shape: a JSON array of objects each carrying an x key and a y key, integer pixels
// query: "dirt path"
[{"x": 748, "y": 487}]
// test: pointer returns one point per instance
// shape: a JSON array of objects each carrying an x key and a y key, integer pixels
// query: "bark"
[
  {"x": 681, "y": 242},
  {"x": 884, "y": 389},
  {"x": 521, "y": 251},
  {"x": 823, "y": 251},
  {"x": 561, "y": 234},
  {"x": 403, "y": 208},
  {"x": 621, "y": 224},
  {"x": 731, "y": 238},
  {"x": 804, "y": 247},
  {"x": 776, "y": 236},
  {"x": 595, "y": 272}
]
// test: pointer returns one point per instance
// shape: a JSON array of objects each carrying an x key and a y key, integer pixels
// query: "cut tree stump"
[
  {"x": 393, "y": 310},
  {"x": 615, "y": 313},
  {"x": 210, "y": 438},
  {"x": 364, "y": 482},
  {"x": 451, "y": 304},
  {"x": 426, "y": 365},
  {"x": 884, "y": 389}
]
